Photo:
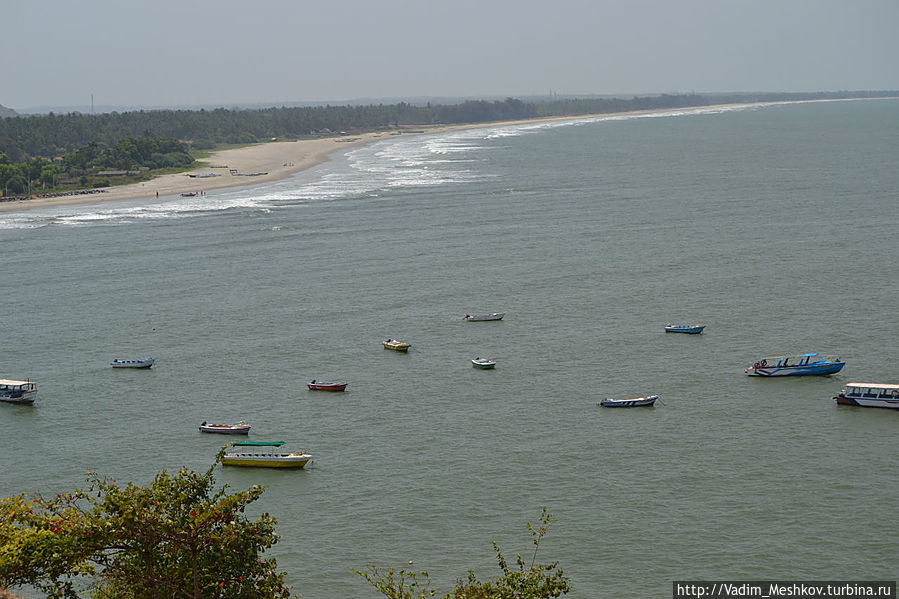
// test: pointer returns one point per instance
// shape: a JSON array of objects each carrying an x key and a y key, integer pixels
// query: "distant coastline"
[{"x": 272, "y": 161}]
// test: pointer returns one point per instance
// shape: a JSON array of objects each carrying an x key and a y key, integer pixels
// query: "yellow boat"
[
  {"x": 263, "y": 454},
  {"x": 396, "y": 345}
]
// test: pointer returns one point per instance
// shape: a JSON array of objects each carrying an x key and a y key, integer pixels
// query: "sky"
[{"x": 169, "y": 53}]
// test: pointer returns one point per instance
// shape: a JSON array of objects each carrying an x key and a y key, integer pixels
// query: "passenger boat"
[
  {"x": 806, "y": 364},
  {"x": 143, "y": 363},
  {"x": 628, "y": 403},
  {"x": 690, "y": 329},
  {"x": 21, "y": 392},
  {"x": 483, "y": 363},
  {"x": 396, "y": 345},
  {"x": 869, "y": 395},
  {"x": 241, "y": 428},
  {"x": 482, "y": 317},
  {"x": 323, "y": 386},
  {"x": 263, "y": 454}
]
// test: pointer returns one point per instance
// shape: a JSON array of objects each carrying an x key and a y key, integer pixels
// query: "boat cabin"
[
  {"x": 10, "y": 386},
  {"x": 788, "y": 361},
  {"x": 871, "y": 391}
]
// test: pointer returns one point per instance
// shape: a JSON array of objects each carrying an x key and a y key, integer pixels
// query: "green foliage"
[
  {"x": 531, "y": 581},
  {"x": 177, "y": 537}
]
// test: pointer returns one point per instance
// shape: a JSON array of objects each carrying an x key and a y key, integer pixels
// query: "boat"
[
  {"x": 482, "y": 317},
  {"x": 326, "y": 386},
  {"x": 396, "y": 345},
  {"x": 21, "y": 392},
  {"x": 800, "y": 365},
  {"x": 484, "y": 363},
  {"x": 690, "y": 329},
  {"x": 869, "y": 395},
  {"x": 628, "y": 403},
  {"x": 188, "y": 195},
  {"x": 263, "y": 454},
  {"x": 241, "y": 428},
  {"x": 141, "y": 363}
]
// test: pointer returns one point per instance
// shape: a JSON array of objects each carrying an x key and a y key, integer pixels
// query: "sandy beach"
[{"x": 277, "y": 160}]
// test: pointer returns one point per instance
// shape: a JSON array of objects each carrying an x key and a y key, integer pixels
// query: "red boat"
[{"x": 326, "y": 386}]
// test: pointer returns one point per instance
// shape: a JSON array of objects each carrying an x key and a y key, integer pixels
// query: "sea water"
[{"x": 774, "y": 225}]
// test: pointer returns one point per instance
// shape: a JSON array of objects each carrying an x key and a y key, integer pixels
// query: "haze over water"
[{"x": 775, "y": 226}]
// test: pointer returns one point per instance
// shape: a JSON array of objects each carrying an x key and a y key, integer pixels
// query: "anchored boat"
[
  {"x": 483, "y": 363},
  {"x": 689, "y": 329},
  {"x": 142, "y": 363},
  {"x": 241, "y": 428},
  {"x": 21, "y": 392},
  {"x": 263, "y": 454},
  {"x": 396, "y": 345},
  {"x": 628, "y": 403},
  {"x": 323, "y": 386},
  {"x": 869, "y": 395},
  {"x": 482, "y": 317},
  {"x": 803, "y": 365}
]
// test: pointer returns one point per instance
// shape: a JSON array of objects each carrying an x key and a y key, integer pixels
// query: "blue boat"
[
  {"x": 804, "y": 365},
  {"x": 628, "y": 403},
  {"x": 690, "y": 329}
]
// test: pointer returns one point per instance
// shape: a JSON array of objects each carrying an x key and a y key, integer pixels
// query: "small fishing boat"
[
  {"x": 690, "y": 329},
  {"x": 483, "y": 317},
  {"x": 396, "y": 345},
  {"x": 483, "y": 363},
  {"x": 869, "y": 395},
  {"x": 188, "y": 195},
  {"x": 263, "y": 454},
  {"x": 142, "y": 363},
  {"x": 326, "y": 386},
  {"x": 21, "y": 392},
  {"x": 628, "y": 403},
  {"x": 241, "y": 428},
  {"x": 800, "y": 365}
]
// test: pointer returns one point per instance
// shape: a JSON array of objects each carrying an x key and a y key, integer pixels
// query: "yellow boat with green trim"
[{"x": 263, "y": 454}]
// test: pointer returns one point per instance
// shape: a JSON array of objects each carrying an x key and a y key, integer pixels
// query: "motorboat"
[
  {"x": 140, "y": 363},
  {"x": 628, "y": 403},
  {"x": 241, "y": 428},
  {"x": 483, "y": 363},
  {"x": 799, "y": 365},
  {"x": 483, "y": 317},
  {"x": 869, "y": 395},
  {"x": 396, "y": 345},
  {"x": 326, "y": 386},
  {"x": 21, "y": 392},
  {"x": 690, "y": 329},
  {"x": 263, "y": 454}
]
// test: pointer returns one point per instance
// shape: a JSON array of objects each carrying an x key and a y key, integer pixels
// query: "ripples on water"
[{"x": 772, "y": 225}]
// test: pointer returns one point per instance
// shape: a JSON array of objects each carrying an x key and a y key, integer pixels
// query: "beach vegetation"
[
  {"x": 179, "y": 536},
  {"x": 527, "y": 579}
]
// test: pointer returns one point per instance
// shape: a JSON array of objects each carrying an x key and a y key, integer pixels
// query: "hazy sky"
[{"x": 222, "y": 52}]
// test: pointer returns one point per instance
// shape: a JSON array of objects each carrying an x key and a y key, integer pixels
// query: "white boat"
[
  {"x": 241, "y": 428},
  {"x": 802, "y": 365},
  {"x": 263, "y": 454},
  {"x": 869, "y": 395},
  {"x": 21, "y": 392},
  {"x": 484, "y": 363},
  {"x": 689, "y": 329},
  {"x": 628, "y": 403},
  {"x": 140, "y": 363},
  {"x": 482, "y": 317}
]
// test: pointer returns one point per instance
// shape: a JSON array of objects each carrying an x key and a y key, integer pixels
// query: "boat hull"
[
  {"x": 636, "y": 402},
  {"x": 484, "y": 364},
  {"x": 267, "y": 461},
  {"x": 24, "y": 398},
  {"x": 327, "y": 386},
  {"x": 485, "y": 317},
  {"x": 396, "y": 345},
  {"x": 148, "y": 363},
  {"x": 685, "y": 330},
  {"x": 225, "y": 429},
  {"x": 867, "y": 403},
  {"x": 810, "y": 370}
]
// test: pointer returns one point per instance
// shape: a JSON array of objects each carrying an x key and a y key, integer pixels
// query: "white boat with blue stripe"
[
  {"x": 800, "y": 365},
  {"x": 633, "y": 402}
]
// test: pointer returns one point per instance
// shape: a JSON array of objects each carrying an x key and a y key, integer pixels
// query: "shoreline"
[{"x": 273, "y": 161}]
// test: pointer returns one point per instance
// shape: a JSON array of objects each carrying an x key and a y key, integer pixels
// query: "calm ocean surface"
[{"x": 775, "y": 226}]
